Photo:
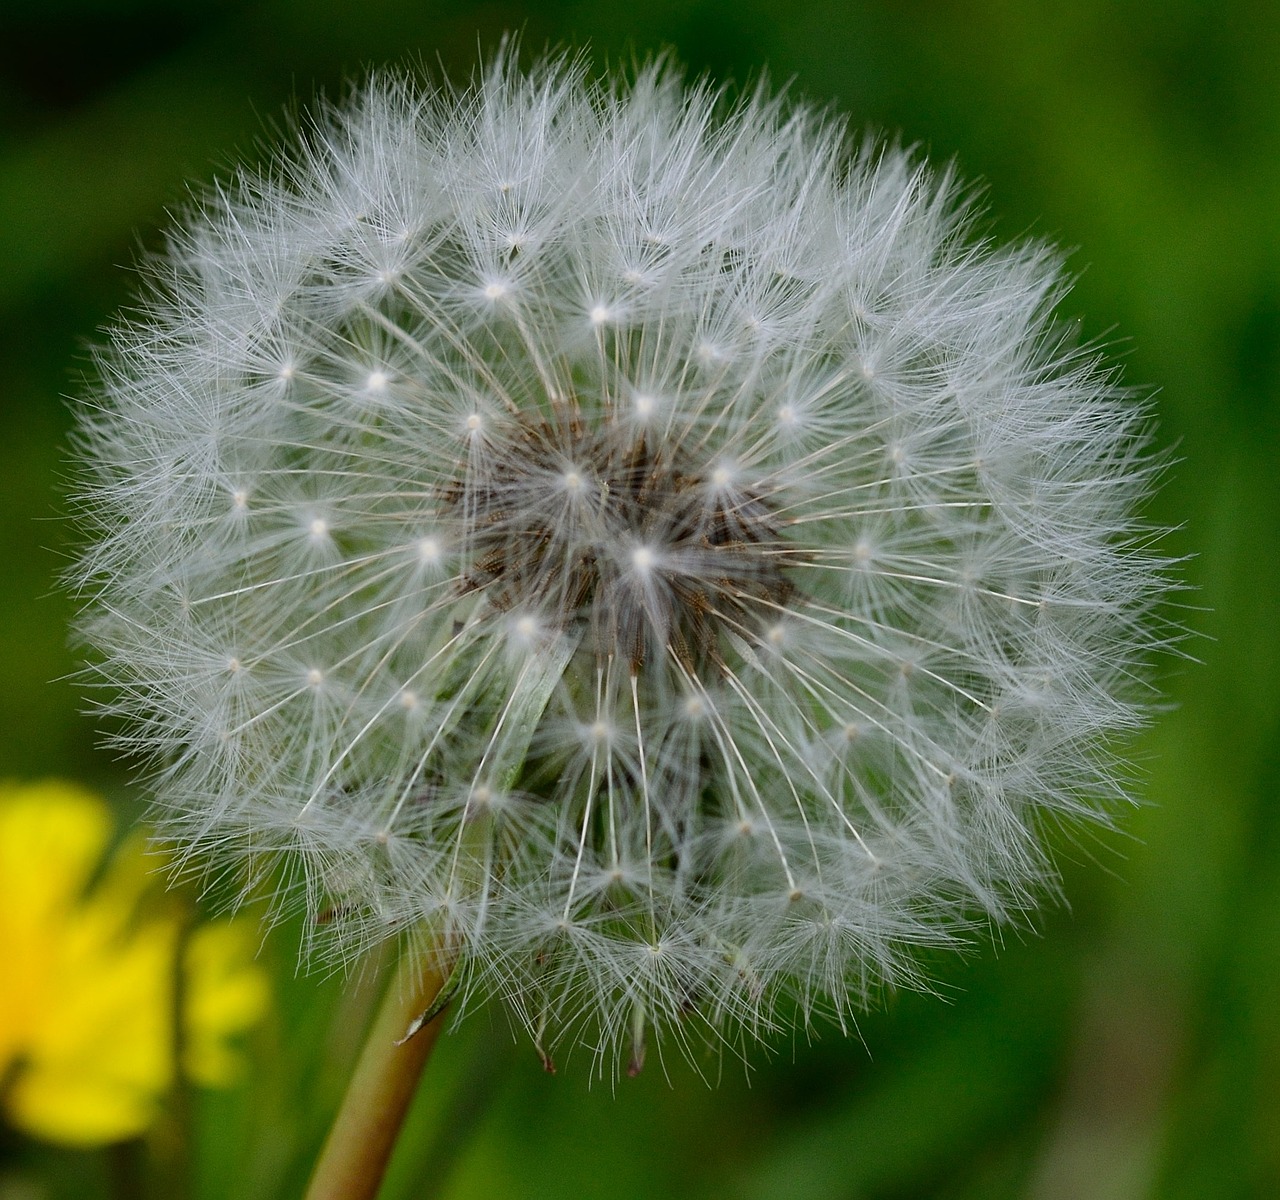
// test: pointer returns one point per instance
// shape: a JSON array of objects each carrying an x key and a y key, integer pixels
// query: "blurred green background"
[{"x": 1127, "y": 1047}]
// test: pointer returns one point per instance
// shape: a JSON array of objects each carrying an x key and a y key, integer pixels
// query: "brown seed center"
[{"x": 622, "y": 534}]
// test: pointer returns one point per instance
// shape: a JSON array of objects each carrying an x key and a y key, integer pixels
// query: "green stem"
[{"x": 355, "y": 1156}]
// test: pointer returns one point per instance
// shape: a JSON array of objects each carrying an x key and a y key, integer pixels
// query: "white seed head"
[{"x": 777, "y": 619}]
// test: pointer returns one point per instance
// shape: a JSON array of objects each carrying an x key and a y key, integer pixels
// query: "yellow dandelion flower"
[{"x": 87, "y": 999}]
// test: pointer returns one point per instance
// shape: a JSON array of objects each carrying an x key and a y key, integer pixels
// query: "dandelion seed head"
[{"x": 683, "y": 573}]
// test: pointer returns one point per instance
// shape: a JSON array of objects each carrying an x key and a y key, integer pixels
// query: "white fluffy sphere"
[{"x": 632, "y": 540}]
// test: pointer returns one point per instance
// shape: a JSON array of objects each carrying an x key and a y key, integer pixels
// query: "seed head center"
[{"x": 620, "y": 535}]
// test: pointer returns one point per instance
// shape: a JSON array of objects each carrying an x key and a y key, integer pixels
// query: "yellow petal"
[
  {"x": 68, "y": 1106},
  {"x": 112, "y": 1016},
  {"x": 227, "y": 993},
  {"x": 52, "y": 835},
  {"x": 87, "y": 1002}
]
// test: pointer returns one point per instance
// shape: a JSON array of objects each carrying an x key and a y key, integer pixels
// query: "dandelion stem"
[{"x": 356, "y": 1153}]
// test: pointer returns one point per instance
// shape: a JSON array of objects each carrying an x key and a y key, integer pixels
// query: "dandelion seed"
[{"x": 776, "y": 620}]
